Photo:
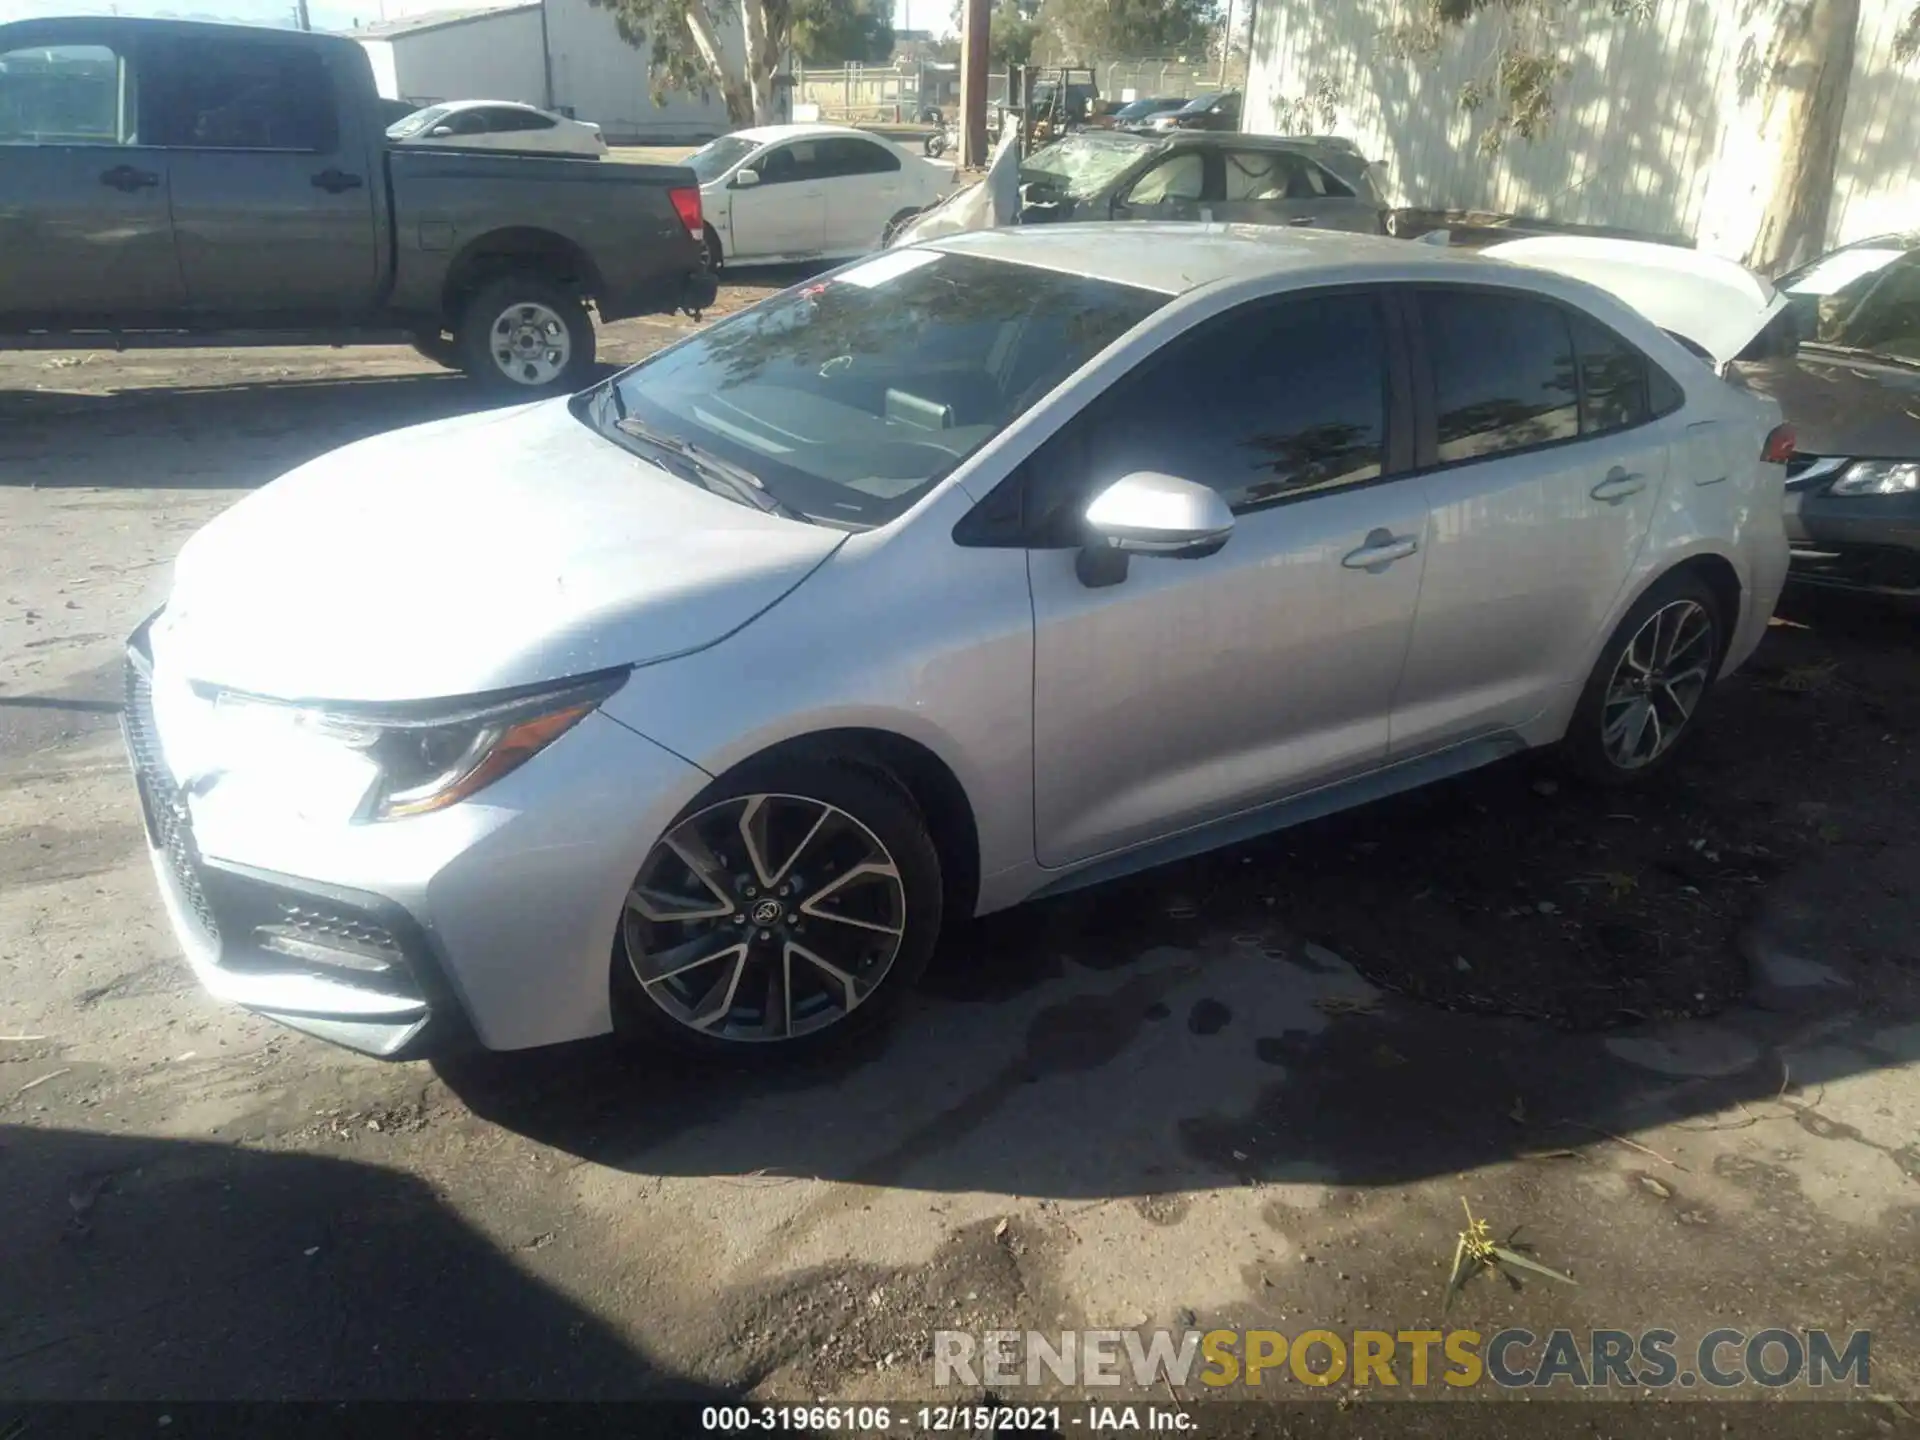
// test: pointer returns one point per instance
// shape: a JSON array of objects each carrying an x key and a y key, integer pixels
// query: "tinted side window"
[
  {"x": 1277, "y": 399},
  {"x": 241, "y": 95},
  {"x": 507, "y": 121},
  {"x": 66, "y": 95},
  {"x": 1613, "y": 379},
  {"x": 856, "y": 157},
  {"x": 1502, "y": 372},
  {"x": 791, "y": 164}
]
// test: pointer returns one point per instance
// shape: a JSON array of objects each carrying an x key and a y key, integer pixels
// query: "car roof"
[
  {"x": 1176, "y": 258},
  {"x": 766, "y": 134},
  {"x": 486, "y": 104}
]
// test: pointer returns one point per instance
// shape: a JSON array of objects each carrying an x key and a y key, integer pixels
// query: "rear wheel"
[
  {"x": 785, "y": 911},
  {"x": 1648, "y": 686},
  {"x": 710, "y": 257},
  {"x": 526, "y": 333},
  {"x": 439, "y": 349}
]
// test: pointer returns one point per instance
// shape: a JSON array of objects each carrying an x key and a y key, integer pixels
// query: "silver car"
[{"x": 692, "y": 705}]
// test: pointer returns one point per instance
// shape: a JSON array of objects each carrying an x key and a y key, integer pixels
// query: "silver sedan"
[{"x": 691, "y": 706}]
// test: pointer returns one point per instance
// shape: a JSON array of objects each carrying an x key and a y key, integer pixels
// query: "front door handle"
[
  {"x": 1618, "y": 485},
  {"x": 336, "y": 181},
  {"x": 125, "y": 177},
  {"x": 1381, "y": 549}
]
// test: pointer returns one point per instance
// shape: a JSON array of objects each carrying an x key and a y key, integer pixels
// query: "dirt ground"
[{"x": 1673, "y": 1037}]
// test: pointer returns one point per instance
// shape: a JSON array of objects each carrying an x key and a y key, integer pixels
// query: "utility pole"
[
  {"x": 975, "y": 41},
  {"x": 300, "y": 15},
  {"x": 1226, "y": 47}
]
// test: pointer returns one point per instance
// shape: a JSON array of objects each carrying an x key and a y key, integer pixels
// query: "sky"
[{"x": 341, "y": 14}]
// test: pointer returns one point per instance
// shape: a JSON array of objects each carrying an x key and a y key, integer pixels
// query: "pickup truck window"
[
  {"x": 240, "y": 95},
  {"x": 66, "y": 95}
]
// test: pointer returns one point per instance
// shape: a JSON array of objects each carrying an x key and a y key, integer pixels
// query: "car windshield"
[
  {"x": 846, "y": 398},
  {"x": 416, "y": 122},
  {"x": 1865, "y": 297},
  {"x": 1134, "y": 109},
  {"x": 1081, "y": 166},
  {"x": 717, "y": 157},
  {"x": 1200, "y": 104}
]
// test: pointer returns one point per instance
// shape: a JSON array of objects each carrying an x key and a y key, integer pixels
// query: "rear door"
[
  {"x": 273, "y": 191},
  {"x": 1544, "y": 461},
  {"x": 1283, "y": 187},
  {"x": 786, "y": 212},
  {"x": 85, "y": 233},
  {"x": 863, "y": 189}
]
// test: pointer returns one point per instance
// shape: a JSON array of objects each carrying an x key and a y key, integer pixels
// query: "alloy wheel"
[
  {"x": 530, "y": 343},
  {"x": 764, "y": 918},
  {"x": 1657, "y": 684}
]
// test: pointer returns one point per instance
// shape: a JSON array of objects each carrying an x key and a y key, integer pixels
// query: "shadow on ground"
[
  {"x": 160, "y": 1268},
  {"x": 1492, "y": 968}
]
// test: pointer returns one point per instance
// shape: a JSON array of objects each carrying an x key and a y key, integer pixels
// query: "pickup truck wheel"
[
  {"x": 439, "y": 349},
  {"x": 526, "y": 333},
  {"x": 710, "y": 249}
]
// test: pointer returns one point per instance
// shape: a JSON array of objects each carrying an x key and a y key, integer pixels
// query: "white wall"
[
  {"x": 493, "y": 58},
  {"x": 380, "y": 56},
  {"x": 1656, "y": 129},
  {"x": 604, "y": 79}
]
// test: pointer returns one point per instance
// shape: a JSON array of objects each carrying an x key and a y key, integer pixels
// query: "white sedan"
[
  {"x": 498, "y": 125},
  {"x": 809, "y": 192}
]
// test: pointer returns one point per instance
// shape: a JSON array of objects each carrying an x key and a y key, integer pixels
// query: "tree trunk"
[
  {"x": 713, "y": 52},
  {"x": 1808, "y": 70},
  {"x": 763, "y": 61}
]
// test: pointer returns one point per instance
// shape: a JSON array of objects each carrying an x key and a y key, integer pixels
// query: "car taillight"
[
  {"x": 687, "y": 203},
  {"x": 1779, "y": 447}
]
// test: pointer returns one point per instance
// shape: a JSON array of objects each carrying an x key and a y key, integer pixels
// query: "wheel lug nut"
[
  {"x": 739, "y": 919},
  {"x": 766, "y": 934}
]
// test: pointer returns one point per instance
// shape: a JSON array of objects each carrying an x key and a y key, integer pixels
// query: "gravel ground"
[{"x": 1674, "y": 1036}]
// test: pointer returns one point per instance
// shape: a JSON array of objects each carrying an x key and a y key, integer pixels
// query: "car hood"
[
  {"x": 1718, "y": 304},
  {"x": 1843, "y": 405},
  {"x": 469, "y": 555}
]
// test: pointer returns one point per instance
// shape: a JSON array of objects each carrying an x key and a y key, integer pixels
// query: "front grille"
[{"x": 160, "y": 798}]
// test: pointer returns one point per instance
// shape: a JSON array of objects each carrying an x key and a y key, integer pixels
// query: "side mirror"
[
  {"x": 744, "y": 178},
  {"x": 440, "y": 130},
  {"x": 1150, "y": 514}
]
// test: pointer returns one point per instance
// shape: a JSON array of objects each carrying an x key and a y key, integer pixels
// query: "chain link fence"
[{"x": 899, "y": 94}]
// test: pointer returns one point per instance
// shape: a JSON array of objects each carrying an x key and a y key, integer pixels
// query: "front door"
[
  {"x": 1196, "y": 688},
  {"x": 1173, "y": 188},
  {"x": 785, "y": 214},
  {"x": 273, "y": 185},
  {"x": 1535, "y": 525},
  {"x": 85, "y": 233},
  {"x": 863, "y": 190}
]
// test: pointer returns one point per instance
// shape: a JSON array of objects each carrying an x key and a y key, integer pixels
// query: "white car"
[
  {"x": 809, "y": 192},
  {"x": 498, "y": 125},
  {"x": 972, "y": 572}
]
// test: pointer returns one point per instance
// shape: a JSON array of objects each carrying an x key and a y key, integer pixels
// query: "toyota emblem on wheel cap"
[{"x": 767, "y": 912}]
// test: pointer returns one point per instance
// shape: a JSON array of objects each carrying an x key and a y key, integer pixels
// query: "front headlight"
[
  {"x": 1878, "y": 477},
  {"x": 416, "y": 757}
]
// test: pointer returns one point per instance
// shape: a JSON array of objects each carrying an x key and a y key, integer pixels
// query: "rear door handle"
[
  {"x": 1381, "y": 549},
  {"x": 1618, "y": 485},
  {"x": 125, "y": 177},
  {"x": 335, "y": 181}
]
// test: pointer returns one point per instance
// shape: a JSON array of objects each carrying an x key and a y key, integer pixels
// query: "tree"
[
  {"x": 837, "y": 32},
  {"x": 1014, "y": 29},
  {"x": 1084, "y": 30},
  {"x": 1798, "y": 76},
  {"x": 702, "y": 46}
]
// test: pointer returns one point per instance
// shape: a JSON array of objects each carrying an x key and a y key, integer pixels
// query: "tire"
[
  {"x": 710, "y": 253},
  {"x": 757, "y": 998},
  {"x": 439, "y": 349},
  {"x": 1604, "y": 742},
  {"x": 894, "y": 226},
  {"x": 936, "y": 144},
  {"x": 498, "y": 337}
]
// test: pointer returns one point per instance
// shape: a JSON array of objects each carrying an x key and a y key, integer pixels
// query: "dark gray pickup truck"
[{"x": 170, "y": 182}]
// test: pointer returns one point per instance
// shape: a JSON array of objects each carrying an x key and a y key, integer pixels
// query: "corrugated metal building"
[
  {"x": 563, "y": 54},
  {"x": 1657, "y": 129}
]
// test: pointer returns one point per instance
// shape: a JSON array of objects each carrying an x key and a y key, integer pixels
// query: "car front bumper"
[
  {"x": 1856, "y": 542},
  {"x": 490, "y": 921}
]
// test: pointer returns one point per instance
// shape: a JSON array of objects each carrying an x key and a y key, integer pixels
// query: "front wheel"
[
  {"x": 784, "y": 911},
  {"x": 528, "y": 334},
  {"x": 1647, "y": 688}
]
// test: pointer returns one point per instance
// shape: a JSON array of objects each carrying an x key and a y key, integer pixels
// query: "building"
[
  {"x": 565, "y": 55},
  {"x": 1656, "y": 129}
]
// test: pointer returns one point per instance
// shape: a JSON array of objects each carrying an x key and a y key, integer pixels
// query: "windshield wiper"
[
  {"x": 1879, "y": 356},
  {"x": 721, "y": 476}
]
